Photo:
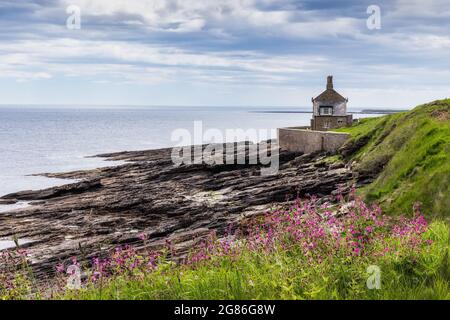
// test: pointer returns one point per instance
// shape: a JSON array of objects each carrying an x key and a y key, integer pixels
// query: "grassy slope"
[
  {"x": 287, "y": 274},
  {"x": 412, "y": 152}
]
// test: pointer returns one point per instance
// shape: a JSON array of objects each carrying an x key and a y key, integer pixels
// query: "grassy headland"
[{"x": 409, "y": 154}]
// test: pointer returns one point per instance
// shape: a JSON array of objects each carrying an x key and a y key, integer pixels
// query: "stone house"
[{"x": 330, "y": 110}]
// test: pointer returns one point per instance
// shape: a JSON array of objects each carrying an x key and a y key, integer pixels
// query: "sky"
[{"x": 223, "y": 53}]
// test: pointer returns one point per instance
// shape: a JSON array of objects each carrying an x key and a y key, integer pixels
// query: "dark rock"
[
  {"x": 70, "y": 189},
  {"x": 352, "y": 146},
  {"x": 7, "y": 201}
]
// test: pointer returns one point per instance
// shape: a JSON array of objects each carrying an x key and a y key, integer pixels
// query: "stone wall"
[
  {"x": 325, "y": 123},
  {"x": 308, "y": 141}
]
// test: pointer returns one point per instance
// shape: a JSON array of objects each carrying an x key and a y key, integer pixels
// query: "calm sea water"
[{"x": 36, "y": 140}]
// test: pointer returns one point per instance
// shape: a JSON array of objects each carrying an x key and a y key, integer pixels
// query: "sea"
[{"x": 48, "y": 139}]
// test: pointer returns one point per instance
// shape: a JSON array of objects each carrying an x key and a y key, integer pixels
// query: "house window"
[{"x": 325, "y": 110}]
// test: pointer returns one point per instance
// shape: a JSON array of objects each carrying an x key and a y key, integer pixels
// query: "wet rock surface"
[{"x": 112, "y": 206}]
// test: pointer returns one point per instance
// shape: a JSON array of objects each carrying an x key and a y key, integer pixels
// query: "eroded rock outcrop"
[{"x": 148, "y": 194}]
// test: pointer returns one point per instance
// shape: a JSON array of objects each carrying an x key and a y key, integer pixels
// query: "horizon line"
[{"x": 51, "y": 105}]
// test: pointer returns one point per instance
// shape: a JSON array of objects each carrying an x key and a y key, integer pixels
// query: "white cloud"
[
  {"x": 101, "y": 58},
  {"x": 421, "y": 9},
  {"x": 230, "y": 16},
  {"x": 319, "y": 28},
  {"x": 250, "y": 44}
]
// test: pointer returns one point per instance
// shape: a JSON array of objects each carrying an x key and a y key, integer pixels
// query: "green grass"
[
  {"x": 411, "y": 153},
  {"x": 287, "y": 274}
]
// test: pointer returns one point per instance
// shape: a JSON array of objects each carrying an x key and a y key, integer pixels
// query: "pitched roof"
[{"x": 330, "y": 95}]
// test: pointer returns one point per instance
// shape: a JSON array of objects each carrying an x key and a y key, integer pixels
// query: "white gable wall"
[{"x": 339, "y": 109}]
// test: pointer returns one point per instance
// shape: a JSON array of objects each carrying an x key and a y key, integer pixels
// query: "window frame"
[{"x": 329, "y": 109}]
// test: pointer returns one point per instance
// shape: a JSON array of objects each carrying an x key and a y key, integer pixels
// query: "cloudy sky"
[{"x": 223, "y": 53}]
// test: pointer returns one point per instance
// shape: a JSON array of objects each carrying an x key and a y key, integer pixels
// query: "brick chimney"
[{"x": 330, "y": 82}]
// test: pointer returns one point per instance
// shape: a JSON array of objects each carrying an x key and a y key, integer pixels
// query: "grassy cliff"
[{"x": 409, "y": 154}]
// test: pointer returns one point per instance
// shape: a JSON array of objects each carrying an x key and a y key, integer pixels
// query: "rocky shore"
[{"x": 148, "y": 195}]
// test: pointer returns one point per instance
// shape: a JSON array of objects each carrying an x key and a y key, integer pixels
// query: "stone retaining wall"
[{"x": 300, "y": 139}]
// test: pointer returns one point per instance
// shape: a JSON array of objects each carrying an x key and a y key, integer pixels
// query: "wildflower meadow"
[{"x": 301, "y": 250}]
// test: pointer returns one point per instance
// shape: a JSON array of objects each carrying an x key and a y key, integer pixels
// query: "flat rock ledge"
[{"x": 149, "y": 195}]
